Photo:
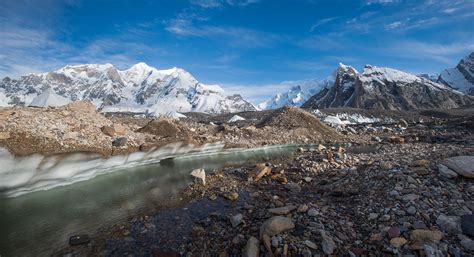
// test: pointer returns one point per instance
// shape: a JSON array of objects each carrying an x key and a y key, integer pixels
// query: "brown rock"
[
  {"x": 252, "y": 248},
  {"x": 232, "y": 196},
  {"x": 396, "y": 140},
  {"x": 280, "y": 178},
  {"x": 108, "y": 130},
  {"x": 282, "y": 210},
  {"x": 260, "y": 171},
  {"x": 4, "y": 135},
  {"x": 275, "y": 225},
  {"x": 376, "y": 237},
  {"x": 119, "y": 129},
  {"x": 398, "y": 242},
  {"x": 420, "y": 163},
  {"x": 421, "y": 236}
]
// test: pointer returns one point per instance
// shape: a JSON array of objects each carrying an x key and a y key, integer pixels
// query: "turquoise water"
[{"x": 37, "y": 223}]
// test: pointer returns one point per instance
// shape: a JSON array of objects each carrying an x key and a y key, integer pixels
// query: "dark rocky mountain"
[
  {"x": 385, "y": 88},
  {"x": 461, "y": 77}
]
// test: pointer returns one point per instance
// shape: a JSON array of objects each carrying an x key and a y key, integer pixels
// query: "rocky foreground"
[{"x": 409, "y": 195}]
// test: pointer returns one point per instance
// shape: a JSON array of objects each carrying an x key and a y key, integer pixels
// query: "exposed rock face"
[
  {"x": 140, "y": 88},
  {"x": 385, "y": 88},
  {"x": 461, "y": 77}
]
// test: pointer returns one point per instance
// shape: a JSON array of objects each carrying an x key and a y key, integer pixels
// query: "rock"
[
  {"x": 328, "y": 244},
  {"x": 321, "y": 147},
  {"x": 79, "y": 240},
  {"x": 420, "y": 163},
  {"x": 446, "y": 172},
  {"x": 282, "y": 210},
  {"x": 307, "y": 179},
  {"x": 114, "y": 130},
  {"x": 260, "y": 171},
  {"x": 467, "y": 224},
  {"x": 275, "y": 225},
  {"x": 449, "y": 224},
  {"x": 232, "y": 196},
  {"x": 426, "y": 236},
  {"x": 385, "y": 165},
  {"x": 236, "y": 220},
  {"x": 293, "y": 187},
  {"x": 376, "y": 237},
  {"x": 385, "y": 217},
  {"x": 306, "y": 253},
  {"x": 393, "y": 232},
  {"x": 410, "y": 197},
  {"x": 466, "y": 242},
  {"x": 411, "y": 210},
  {"x": 119, "y": 142},
  {"x": 280, "y": 178},
  {"x": 312, "y": 212},
  {"x": 403, "y": 123},
  {"x": 373, "y": 216},
  {"x": 275, "y": 241},
  {"x": 398, "y": 242},
  {"x": 311, "y": 244},
  {"x": 4, "y": 135},
  {"x": 302, "y": 208},
  {"x": 462, "y": 165},
  {"x": 252, "y": 248},
  {"x": 199, "y": 176},
  {"x": 396, "y": 140}
]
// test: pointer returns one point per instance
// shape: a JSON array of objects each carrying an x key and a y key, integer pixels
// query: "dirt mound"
[
  {"x": 166, "y": 128},
  {"x": 297, "y": 118}
]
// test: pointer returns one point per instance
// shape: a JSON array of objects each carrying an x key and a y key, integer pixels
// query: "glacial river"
[{"x": 37, "y": 223}]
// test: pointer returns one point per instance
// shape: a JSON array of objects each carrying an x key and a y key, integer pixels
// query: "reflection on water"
[{"x": 36, "y": 223}]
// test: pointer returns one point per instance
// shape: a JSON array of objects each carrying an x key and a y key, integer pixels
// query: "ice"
[
  {"x": 235, "y": 118},
  {"x": 21, "y": 175},
  {"x": 49, "y": 98}
]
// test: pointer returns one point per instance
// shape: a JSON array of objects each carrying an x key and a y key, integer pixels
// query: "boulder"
[
  {"x": 252, "y": 248},
  {"x": 275, "y": 225},
  {"x": 119, "y": 142},
  {"x": 462, "y": 165},
  {"x": 199, "y": 176}
]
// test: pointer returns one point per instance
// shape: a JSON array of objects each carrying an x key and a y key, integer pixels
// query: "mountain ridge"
[{"x": 140, "y": 88}]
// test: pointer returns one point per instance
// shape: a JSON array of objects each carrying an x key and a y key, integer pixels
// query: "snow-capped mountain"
[
  {"x": 138, "y": 89},
  {"x": 461, "y": 77},
  {"x": 298, "y": 93},
  {"x": 385, "y": 88}
]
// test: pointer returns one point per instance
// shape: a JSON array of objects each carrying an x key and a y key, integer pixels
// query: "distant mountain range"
[
  {"x": 142, "y": 88},
  {"x": 386, "y": 88}
]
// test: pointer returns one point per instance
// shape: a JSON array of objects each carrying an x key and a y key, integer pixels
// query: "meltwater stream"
[{"x": 37, "y": 223}]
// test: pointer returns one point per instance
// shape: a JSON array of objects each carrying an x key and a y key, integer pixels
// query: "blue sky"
[{"x": 247, "y": 46}]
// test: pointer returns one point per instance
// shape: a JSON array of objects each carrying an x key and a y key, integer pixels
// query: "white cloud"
[
  {"x": 322, "y": 22},
  {"x": 449, "y": 10},
  {"x": 371, "y": 2},
  {"x": 209, "y": 4},
  {"x": 393, "y": 25}
]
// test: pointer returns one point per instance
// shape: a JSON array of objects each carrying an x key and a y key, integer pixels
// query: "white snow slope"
[
  {"x": 140, "y": 88},
  {"x": 461, "y": 77},
  {"x": 49, "y": 98}
]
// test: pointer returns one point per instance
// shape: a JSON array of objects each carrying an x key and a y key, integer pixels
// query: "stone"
[
  {"x": 282, "y": 210},
  {"x": 275, "y": 241},
  {"x": 311, "y": 244},
  {"x": 410, "y": 197},
  {"x": 275, "y": 225},
  {"x": 119, "y": 130},
  {"x": 420, "y": 163},
  {"x": 252, "y": 248},
  {"x": 4, "y": 135},
  {"x": 312, "y": 212},
  {"x": 449, "y": 224},
  {"x": 467, "y": 224},
  {"x": 328, "y": 244},
  {"x": 398, "y": 242},
  {"x": 403, "y": 123},
  {"x": 108, "y": 130},
  {"x": 466, "y": 242},
  {"x": 119, "y": 142},
  {"x": 396, "y": 140},
  {"x": 260, "y": 171},
  {"x": 232, "y": 196},
  {"x": 376, "y": 237},
  {"x": 280, "y": 178},
  {"x": 462, "y": 165},
  {"x": 199, "y": 176},
  {"x": 426, "y": 236},
  {"x": 373, "y": 216},
  {"x": 236, "y": 220},
  {"x": 79, "y": 240},
  {"x": 321, "y": 147},
  {"x": 411, "y": 210},
  {"x": 302, "y": 208},
  {"x": 446, "y": 172},
  {"x": 293, "y": 187},
  {"x": 306, "y": 253},
  {"x": 385, "y": 217},
  {"x": 386, "y": 165},
  {"x": 393, "y": 232}
]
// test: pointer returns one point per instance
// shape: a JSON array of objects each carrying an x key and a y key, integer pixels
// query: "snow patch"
[
  {"x": 235, "y": 118},
  {"x": 49, "y": 98}
]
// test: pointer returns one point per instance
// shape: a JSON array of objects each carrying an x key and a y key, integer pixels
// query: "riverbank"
[{"x": 386, "y": 200}]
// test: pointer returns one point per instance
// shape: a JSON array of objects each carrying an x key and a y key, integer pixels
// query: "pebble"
[
  {"x": 328, "y": 244},
  {"x": 252, "y": 248},
  {"x": 312, "y": 212},
  {"x": 236, "y": 220},
  {"x": 398, "y": 242},
  {"x": 310, "y": 244},
  {"x": 302, "y": 208},
  {"x": 411, "y": 210}
]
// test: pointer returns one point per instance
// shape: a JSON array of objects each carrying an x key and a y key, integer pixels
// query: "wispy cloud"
[
  {"x": 322, "y": 22},
  {"x": 393, "y": 25},
  {"x": 371, "y": 2},
  {"x": 209, "y": 4}
]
